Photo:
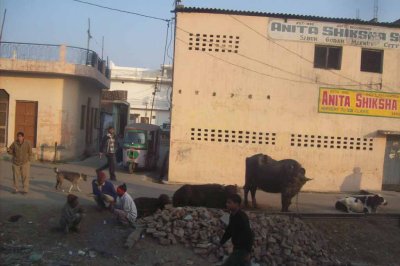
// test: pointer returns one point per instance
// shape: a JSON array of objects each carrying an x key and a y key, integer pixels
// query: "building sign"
[
  {"x": 335, "y": 33},
  {"x": 353, "y": 102}
]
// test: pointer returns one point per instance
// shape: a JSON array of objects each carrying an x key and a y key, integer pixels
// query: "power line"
[
  {"x": 310, "y": 80},
  {"x": 272, "y": 76},
  {"x": 122, "y": 11},
  {"x": 162, "y": 71},
  {"x": 293, "y": 52},
  {"x": 170, "y": 40}
]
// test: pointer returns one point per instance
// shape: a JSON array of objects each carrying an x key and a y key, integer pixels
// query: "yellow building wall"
[
  {"x": 240, "y": 92},
  {"x": 59, "y": 112}
]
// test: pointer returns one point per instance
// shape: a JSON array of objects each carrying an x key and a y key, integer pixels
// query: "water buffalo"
[
  {"x": 286, "y": 177},
  {"x": 208, "y": 195},
  {"x": 148, "y": 206}
]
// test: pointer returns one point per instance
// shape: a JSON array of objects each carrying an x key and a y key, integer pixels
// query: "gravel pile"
[{"x": 279, "y": 239}]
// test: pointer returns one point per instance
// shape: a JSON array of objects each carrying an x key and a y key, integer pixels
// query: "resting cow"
[
  {"x": 148, "y": 206},
  {"x": 286, "y": 177},
  {"x": 366, "y": 203},
  {"x": 208, "y": 195}
]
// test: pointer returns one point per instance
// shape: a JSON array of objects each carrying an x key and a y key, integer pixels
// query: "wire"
[
  {"x": 122, "y": 11},
  {"x": 248, "y": 69},
  {"x": 293, "y": 52},
  {"x": 170, "y": 41},
  {"x": 162, "y": 69},
  {"x": 310, "y": 80}
]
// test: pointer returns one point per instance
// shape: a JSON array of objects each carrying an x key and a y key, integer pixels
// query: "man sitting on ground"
[
  {"x": 71, "y": 214},
  {"x": 104, "y": 191},
  {"x": 125, "y": 208}
]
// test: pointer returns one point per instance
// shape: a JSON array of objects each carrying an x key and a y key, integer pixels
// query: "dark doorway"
[
  {"x": 391, "y": 167},
  {"x": 4, "y": 101}
]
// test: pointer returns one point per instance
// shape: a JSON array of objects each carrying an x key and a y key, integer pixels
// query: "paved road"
[{"x": 42, "y": 191}]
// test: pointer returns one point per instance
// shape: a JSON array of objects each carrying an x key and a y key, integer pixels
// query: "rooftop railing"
[{"x": 53, "y": 53}]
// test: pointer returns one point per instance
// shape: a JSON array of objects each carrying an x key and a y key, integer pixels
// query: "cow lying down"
[
  {"x": 207, "y": 195},
  {"x": 364, "y": 203},
  {"x": 147, "y": 206}
]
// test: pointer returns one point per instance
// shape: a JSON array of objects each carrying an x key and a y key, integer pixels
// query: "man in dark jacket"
[
  {"x": 108, "y": 147},
  {"x": 240, "y": 232}
]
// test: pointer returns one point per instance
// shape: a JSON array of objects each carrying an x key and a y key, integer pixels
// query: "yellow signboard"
[{"x": 353, "y": 102}]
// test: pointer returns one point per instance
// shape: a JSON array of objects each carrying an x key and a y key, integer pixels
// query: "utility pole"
[
  {"x": 2, "y": 24},
  {"x": 88, "y": 43},
  {"x": 357, "y": 13},
  {"x": 102, "y": 48},
  {"x": 376, "y": 8},
  {"x": 154, "y": 96}
]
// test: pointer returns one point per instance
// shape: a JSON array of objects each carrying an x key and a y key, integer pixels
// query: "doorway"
[
  {"x": 26, "y": 120},
  {"x": 4, "y": 101},
  {"x": 391, "y": 166}
]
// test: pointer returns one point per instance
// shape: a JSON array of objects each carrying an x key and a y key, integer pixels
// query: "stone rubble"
[{"x": 278, "y": 240}]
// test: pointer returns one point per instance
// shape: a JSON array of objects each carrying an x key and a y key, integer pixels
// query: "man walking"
[
  {"x": 108, "y": 147},
  {"x": 240, "y": 232},
  {"x": 21, "y": 151}
]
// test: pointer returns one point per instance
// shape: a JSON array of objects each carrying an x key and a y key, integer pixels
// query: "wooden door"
[
  {"x": 26, "y": 120},
  {"x": 391, "y": 168}
]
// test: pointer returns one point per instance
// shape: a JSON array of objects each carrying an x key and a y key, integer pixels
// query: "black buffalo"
[
  {"x": 286, "y": 177},
  {"x": 208, "y": 195},
  {"x": 148, "y": 206}
]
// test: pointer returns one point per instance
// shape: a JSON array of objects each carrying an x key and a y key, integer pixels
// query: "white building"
[{"x": 141, "y": 83}]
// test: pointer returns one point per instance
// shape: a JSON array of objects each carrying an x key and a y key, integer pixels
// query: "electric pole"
[
  {"x": 376, "y": 8},
  {"x": 154, "y": 96},
  {"x": 88, "y": 43},
  {"x": 2, "y": 24},
  {"x": 102, "y": 48}
]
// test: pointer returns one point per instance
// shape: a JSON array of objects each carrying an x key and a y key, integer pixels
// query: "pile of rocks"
[{"x": 278, "y": 239}]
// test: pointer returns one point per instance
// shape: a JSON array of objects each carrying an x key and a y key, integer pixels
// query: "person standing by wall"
[
  {"x": 108, "y": 147},
  {"x": 21, "y": 151}
]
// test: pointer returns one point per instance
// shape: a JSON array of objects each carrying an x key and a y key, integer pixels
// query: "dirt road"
[{"x": 101, "y": 242}]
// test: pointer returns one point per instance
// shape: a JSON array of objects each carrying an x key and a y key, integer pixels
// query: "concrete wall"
[
  {"x": 59, "y": 111},
  {"x": 235, "y": 92}
]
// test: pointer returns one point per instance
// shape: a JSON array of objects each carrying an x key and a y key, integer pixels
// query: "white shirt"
[{"x": 127, "y": 204}]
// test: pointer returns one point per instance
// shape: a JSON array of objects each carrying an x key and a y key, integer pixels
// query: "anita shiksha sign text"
[
  {"x": 354, "y": 102},
  {"x": 335, "y": 33}
]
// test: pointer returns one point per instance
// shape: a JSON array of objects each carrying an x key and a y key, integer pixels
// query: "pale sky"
[{"x": 139, "y": 42}]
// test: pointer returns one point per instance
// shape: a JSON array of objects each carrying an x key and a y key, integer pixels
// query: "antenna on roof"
[{"x": 376, "y": 7}]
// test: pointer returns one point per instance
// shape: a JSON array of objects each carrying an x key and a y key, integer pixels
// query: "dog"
[
  {"x": 72, "y": 177},
  {"x": 364, "y": 203}
]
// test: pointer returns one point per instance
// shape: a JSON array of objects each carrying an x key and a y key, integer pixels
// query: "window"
[
  {"x": 327, "y": 57},
  {"x": 135, "y": 137},
  {"x": 144, "y": 120},
  {"x": 134, "y": 118},
  {"x": 83, "y": 112},
  {"x": 372, "y": 60}
]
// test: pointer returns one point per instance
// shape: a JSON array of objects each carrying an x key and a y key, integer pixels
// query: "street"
[{"x": 140, "y": 184}]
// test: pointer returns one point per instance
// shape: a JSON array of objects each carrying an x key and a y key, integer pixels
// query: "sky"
[{"x": 135, "y": 41}]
